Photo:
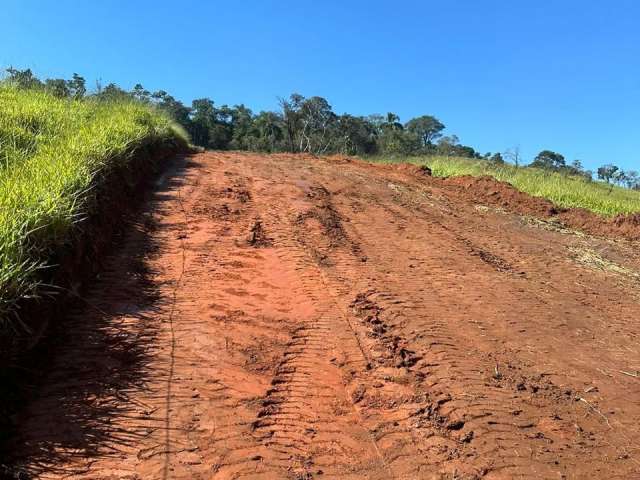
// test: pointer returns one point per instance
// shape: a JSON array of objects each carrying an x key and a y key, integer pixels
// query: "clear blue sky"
[{"x": 563, "y": 75}]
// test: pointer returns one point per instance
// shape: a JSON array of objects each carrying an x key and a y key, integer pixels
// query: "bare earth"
[{"x": 289, "y": 317}]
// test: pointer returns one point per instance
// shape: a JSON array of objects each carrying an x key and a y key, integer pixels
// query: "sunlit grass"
[
  {"x": 52, "y": 153},
  {"x": 563, "y": 190}
]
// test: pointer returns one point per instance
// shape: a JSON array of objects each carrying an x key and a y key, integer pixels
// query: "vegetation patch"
[
  {"x": 564, "y": 190},
  {"x": 54, "y": 154}
]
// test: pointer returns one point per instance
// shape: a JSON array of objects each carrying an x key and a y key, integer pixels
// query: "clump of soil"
[{"x": 257, "y": 235}]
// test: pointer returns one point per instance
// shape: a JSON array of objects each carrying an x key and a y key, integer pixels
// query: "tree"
[
  {"x": 112, "y": 92},
  {"x": 23, "y": 78},
  {"x": 633, "y": 179},
  {"x": 77, "y": 86},
  {"x": 399, "y": 142},
  {"x": 513, "y": 155},
  {"x": 428, "y": 128},
  {"x": 316, "y": 120},
  {"x": 391, "y": 122},
  {"x": 140, "y": 93},
  {"x": 447, "y": 145},
  {"x": 577, "y": 165},
  {"x": 269, "y": 127},
  {"x": 203, "y": 117},
  {"x": 174, "y": 108},
  {"x": 243, "y": 130},
  {"x": 376, "y": 121},
  {"x": 496, "y": 159},
  {"x": 548, "y": 160},
  {"x": 607, "y": 172},
  {"x": 355, "y": 136},
  {"x": 57, "y": 87},
  {"x": 620, "y": 177},
  {"x": 291, "y": 115}
]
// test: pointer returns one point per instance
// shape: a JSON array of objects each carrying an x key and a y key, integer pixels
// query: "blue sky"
[{"x": 561, "y": 75}]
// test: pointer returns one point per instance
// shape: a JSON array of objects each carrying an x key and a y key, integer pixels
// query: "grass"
[
  {"x": 53, "y": 152},
  {"x": 562, "y": 190}
]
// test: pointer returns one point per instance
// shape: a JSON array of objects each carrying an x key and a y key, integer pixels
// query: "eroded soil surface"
[{"x": 287, "y": 317}]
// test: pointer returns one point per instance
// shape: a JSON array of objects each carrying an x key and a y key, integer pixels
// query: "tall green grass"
[
  {"x": 563, "y": 190},
  {"x": 52, "y": 153}
]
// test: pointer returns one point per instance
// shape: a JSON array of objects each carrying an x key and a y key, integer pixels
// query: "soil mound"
[
  {"x": 493, "y": 192},
  {"x": 489, "y": 190},
  {"x": 620, "y": 226}
]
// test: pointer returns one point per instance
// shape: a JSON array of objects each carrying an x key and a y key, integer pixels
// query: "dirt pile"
[{"x": 488, "y": 190}]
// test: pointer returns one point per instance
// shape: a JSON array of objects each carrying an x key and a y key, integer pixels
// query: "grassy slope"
[
  {"x": 563, "y": 190},
  {"x": 52, "y": 151}
]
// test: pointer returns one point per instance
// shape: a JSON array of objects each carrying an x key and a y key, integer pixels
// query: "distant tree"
[
  {"x": 466, "y": 151},
  {"x": 620, "y": 177},
  {"x": 575, "y": 168},
  {"x": 376, "y": 121},
  {"x": 292, "y": 119},
  {"x": 174, "y": 108},
  {"x": 140, "y": 93},
  {"x": 317, "y": 120},
  {"x": 607, "y": 172},
  {"x": 548, "y": 160},
  {"x": 269, "y": 127},
  {"x": 391, "y": 122},
  {"x": 77, "y": 86},
  {"x": 23, "y": 78},
  {"x": 243, "y": 129},
  {"x": 355, "y": 135},
  {"x": 513, "y": 155},
  {"x": 203, "y": 119},
  {"x": 633, "y": 179},
  {"x": 576, "y": 165},
  {"x": 497, "y": 159},
  {"x": 428, "y": 128},
  {"x": 448, "y": 145},
  {"x": 213, "y": 127},
  {"x": 396, "y": 142},
  {"x": 112, "y": 92},
  {"x": 57, "y": 87},
  {"x": 221, "y": 132}
]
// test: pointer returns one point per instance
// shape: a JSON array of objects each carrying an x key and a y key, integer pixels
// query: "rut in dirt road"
[{"x": 283, "y": 316}]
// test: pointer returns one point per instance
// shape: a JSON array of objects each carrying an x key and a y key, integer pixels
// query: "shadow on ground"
[{"x": 96, "y": 356}]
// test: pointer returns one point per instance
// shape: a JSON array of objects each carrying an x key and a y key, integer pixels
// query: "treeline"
[
  {"x": 307, "y": 125},
  {"x": 612, "y": 174},
  {"x": 310, "y": 125},
  {"x": 301, "y": 125}
]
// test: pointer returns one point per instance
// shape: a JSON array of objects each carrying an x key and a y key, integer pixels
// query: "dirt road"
[{"x": 283, "y": 317}]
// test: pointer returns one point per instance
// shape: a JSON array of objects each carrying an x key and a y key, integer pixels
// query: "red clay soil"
[
  {"x": 289, "y": 317},
  {"x": 502, "y": 194}
]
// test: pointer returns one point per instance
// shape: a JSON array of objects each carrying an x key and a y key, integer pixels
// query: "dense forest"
[{"x": 309, "y": 124}]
